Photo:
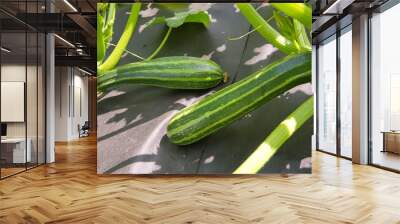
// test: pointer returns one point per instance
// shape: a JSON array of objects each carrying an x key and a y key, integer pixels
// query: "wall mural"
[{"x": 204, "y": 88}]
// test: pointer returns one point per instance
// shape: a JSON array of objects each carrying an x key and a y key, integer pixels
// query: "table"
[
  {"x": 391, "y": 141},
  {"x": 19, "y": 155}
]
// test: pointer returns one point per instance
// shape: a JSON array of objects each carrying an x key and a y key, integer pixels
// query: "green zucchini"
[
  {"x": 233, "y": 102},
  {"x": 168, "y": 72}
]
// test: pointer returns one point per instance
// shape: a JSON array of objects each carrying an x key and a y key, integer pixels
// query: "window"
[
  {"x": 22, "y": 79},
  {"x": 346, "y": 92},
  {"x": 327, "y": 95},
  {"x": 385, "y": 89}
]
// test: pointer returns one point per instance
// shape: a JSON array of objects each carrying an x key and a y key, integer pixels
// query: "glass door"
[
  {"x": 14, "y": 153},
  {"x": 345, "y": 92},
  {"x": 22, "y": 90},
  {"x": 385, "y": 89},
  {"x": 327, "y": 95}
]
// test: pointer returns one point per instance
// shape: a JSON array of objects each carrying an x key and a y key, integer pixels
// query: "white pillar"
[
  {"x": 360, "y": 90},
  {"x": 50, "y": 99}
]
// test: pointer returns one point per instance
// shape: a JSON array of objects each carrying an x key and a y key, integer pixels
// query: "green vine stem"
[
  {"x": 100, "y": 39},
  {"x": 301, "y": 36},
  {"x": 299, "y": 11},
  {"x": 267, "y": 31},
  {"x": 277, "y": 138},
  {"x": 109, "y": 25},
  {"x": 161, "y": 44},
  {"x": 129, "y": 52},
  {"x": 116, "y": 54}
]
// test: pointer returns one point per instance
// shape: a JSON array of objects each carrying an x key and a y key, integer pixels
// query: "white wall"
[
  {"x": 14, "y": 73},
  {"x": 80, "y": 103},
  {"x": 70, "y": 83},
  {"x": 12, "y": 100},
  {"x": 33, "y": 126},
  {"x": 62, "y": 81}
]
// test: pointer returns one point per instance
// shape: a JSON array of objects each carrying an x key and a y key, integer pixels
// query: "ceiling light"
[
  {"x": 65, "y": 41},
  {"x": 331, "y": 7},
  {"x": 70, "y": 5},
  {"x": 337, "y": 7},
  {"x": 84, "y": 71},
  {"x": 5, "y": 50}
]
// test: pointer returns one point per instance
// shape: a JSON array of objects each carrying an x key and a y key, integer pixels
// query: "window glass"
[
  {"x": 14, "y": 153},
  {"x": 327, "y": 95},
  {"x": 346, "y": 92},
  {"x": 385, "y": 89}
]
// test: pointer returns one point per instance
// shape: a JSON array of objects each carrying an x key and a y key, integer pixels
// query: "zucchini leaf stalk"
[
  {"x": 109, "y": 23},
  {"x": 179, "y": 19},
  {"x": 116, "y": 54},
  {"x": 101, "y": 48},
  {"x": 301, "y": 36},
  {"x": 299, "y": 11},
  {"x": 267, "y": 31},
  {"x": 257, "y": 160},
  {"x": 105, "y": 25},
  {"x": 161, "y": 44}
]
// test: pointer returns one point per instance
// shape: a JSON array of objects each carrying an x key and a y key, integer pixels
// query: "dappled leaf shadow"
[
  {"x": 135, "y": 105},
  {"x": 223, "y": 151},
  {"x": 168, "y": 159}
]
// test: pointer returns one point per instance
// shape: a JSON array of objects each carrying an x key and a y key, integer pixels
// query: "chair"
[{"x": 84, "y": 130}]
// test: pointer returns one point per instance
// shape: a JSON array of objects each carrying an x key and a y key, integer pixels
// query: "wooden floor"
[
  {"x": 10, "y": 171},
  {"x": 69, "y": 191}
]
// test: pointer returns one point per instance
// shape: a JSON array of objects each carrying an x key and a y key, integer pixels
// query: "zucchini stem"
[
  {"x": 244, "y": 35},
  {"x": 129, "y": 52},
  {"x": 116, "y": 54},
  {"x": 257, "y": 160},
  {"x": 299, "y": 11},
  {"x": 266, "y": 30},
  {"x": 161, "y": 45},
  {"x": 100, "y": 39}
]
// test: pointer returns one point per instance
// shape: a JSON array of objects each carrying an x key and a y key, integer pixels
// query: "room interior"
[
  {"x": 51, "y": 89},
  {"x": 337, "y": 44},
  {"x": 385, "y": 88},
  {"x": 29, "y": 57},
  {"x": 22, "y": 101}
]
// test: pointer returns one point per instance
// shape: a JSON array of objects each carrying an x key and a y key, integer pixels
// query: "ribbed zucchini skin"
[
  {"x": 231, "y": 103},
  {"x": 168, "y": 72}
]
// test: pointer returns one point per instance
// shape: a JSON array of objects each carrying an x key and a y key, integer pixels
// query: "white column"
[
  {"x": 50, "y": 99},
  {"x": 360, "y": 90}
]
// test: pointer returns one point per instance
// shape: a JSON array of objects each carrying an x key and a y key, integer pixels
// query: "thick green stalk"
[
  {"x": 276, "y": 139},
  {"x": 115, "y": 56},
  {"x": 109, "y": 24},
  {"x": 267, "y": 31},
  {"x": 299, "y": 11},
  {"x": 100, "y": 39}
]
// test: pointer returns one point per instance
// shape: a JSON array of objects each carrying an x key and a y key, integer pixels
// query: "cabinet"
[{"x": 391, "y": 142}]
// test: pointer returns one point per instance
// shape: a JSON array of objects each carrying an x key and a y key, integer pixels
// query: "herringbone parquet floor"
[{"x": 69, "y": 191}]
